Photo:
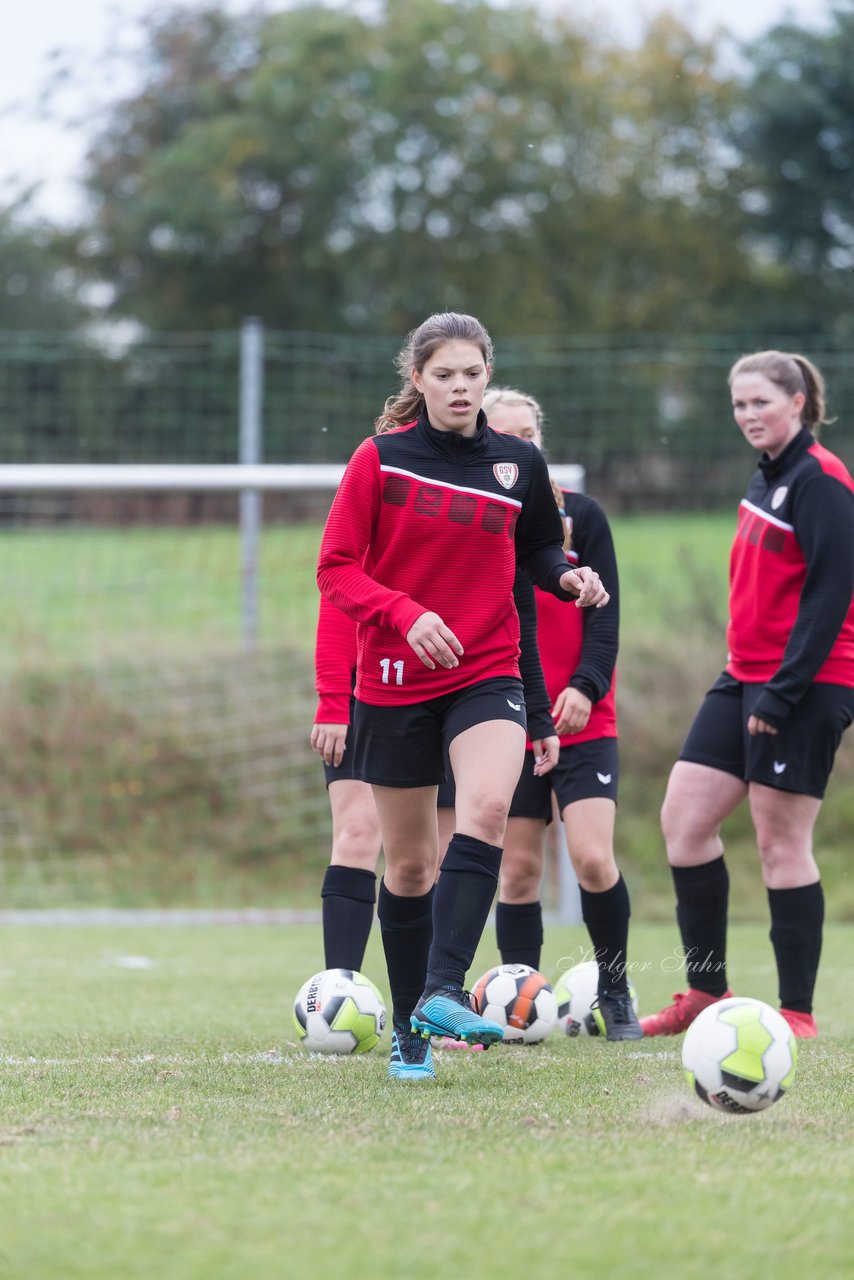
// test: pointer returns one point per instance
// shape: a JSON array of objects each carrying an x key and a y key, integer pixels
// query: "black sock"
[
  {"x": 407, "y": 928},
  {"x": 464, "y": 894},
  {"x": 606, "y": 916},
  {"x": 519, "y": 932},
  {"x": 797, "y": 916},
  {"x": 348, "y": 895},
  {"x": 702, "y": 897}
]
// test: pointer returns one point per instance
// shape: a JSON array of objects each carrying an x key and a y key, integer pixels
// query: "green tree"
[
  {"x": 328, "y": 171},
  {"x": 37, "y": 288},
  {"x": 650, "y": 238},
  {"x": 795, "y": 130}
]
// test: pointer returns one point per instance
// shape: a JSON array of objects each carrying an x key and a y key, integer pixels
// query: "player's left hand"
[
  {"x": 571, "y": 711},
  {"x": 585, "y": 583},
  {"x": 546, "y": 752},
  {"x": 755, "y": 725}
]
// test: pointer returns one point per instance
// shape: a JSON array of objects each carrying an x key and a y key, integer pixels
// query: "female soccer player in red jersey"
[
  {"x": 420, "y": 548},
  {"x": 578, "y": 653},
  {"x": 770, "y": 725},
  {"x": 348, "y": 892}
]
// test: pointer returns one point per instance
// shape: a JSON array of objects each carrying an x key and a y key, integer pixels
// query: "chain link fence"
[{"x": 648, "y": 418}]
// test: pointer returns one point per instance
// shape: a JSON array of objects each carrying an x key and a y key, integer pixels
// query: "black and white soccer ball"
[
  {"x": 576, "y": 990},
  {"x": 339, "y": 1011}
]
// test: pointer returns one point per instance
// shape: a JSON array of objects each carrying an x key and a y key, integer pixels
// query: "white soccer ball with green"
[
  {"x": 739, "y": 1055},
  {"x": 575, "y": 991},
  {"x": 339, "y": 1011}
]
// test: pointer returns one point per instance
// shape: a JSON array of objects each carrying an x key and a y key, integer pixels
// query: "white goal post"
[
  {"x": 201, "y": 477},
  {"x": 183, "y": 477}
]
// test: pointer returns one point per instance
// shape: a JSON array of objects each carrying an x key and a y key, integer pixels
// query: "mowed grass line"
[{"x": 158, "y": 1117}]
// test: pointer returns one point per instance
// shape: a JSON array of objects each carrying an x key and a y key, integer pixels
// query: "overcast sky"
[{"x": 33, "y": 152}]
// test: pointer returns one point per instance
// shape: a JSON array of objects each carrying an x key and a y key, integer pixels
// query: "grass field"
[{"x": 159, "y": 1119}]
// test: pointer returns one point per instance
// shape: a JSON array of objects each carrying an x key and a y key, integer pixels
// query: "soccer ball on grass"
[
  {"x": 519, "y": 999},
  {"x": 739, "y": 1055},
  {"x": 575, "y": 991},
  {"x": 339, "y": 1011}
]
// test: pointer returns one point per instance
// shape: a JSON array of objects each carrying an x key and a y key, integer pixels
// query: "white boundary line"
[
  {"x": 79, "y": 916},
  {"x": 159, "y": 916}
]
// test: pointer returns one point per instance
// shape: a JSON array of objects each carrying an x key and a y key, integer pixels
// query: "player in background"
[
  {"x": 349, "y": 886},
  {"x": 578, "y": 652},
  {"x": 420, "y": 548},
  {"x": 770, "y": 725}
]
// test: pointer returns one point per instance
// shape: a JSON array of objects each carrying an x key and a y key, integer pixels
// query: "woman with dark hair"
[{"x": 420, "y": 548}]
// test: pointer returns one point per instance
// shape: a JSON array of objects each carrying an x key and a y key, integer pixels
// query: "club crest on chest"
[{"x": 506, "y": 473}]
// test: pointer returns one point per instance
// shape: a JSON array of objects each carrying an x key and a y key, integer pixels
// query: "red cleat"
[
  {"x": 677, "y": 1017},
  {"x": 803, "y": 1024}
]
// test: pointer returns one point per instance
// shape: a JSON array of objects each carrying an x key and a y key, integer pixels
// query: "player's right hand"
[
  {"x": 546, "y": 752},
  {"x": 585, "y": 583},
  {"x": 329, "y": 741},
  {"x": 434, "y": 642}
]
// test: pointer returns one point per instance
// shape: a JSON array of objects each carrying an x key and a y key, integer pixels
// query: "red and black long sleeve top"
[
  {"x": 427, "y": 520},
  {"x": 792, "y": 577}
]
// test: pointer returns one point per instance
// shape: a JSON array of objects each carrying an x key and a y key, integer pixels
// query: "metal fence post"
[
  {"x": 250, "y": 454},
  {"x": 568, "y": 891}
]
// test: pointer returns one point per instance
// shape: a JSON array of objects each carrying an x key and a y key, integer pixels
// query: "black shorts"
[
  {"x": 799, "y": 758},
  {"x": 584, "y": 771},
  {"x": 346, "y": 769},
  {"x": 407, "y": 746}
]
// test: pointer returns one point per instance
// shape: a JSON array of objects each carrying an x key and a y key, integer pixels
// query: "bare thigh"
[
  {"x": 784, "y": 824},
  {"x": 356, "y": 839},
  {"x": 697, "y": 800},
  {"x": 589, "y": 827},
  {"x": 487, "y": 760},
  {"x": 410, "y": 839}
]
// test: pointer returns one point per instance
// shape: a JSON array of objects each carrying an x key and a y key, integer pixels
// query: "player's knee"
[
  {"x": 784, "y": 861},
  {"x": 489, "y": 817},
  {"x": 357, "y": 844},
  {"x": 412, "y": 876},
  {"x": 520, "y": 879},
  {"x": 686, "y": 839},
  {"x": 595, "y": 869}
]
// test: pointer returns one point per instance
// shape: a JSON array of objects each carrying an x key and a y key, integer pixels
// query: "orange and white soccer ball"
[{"x": 519, "y": 999}]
